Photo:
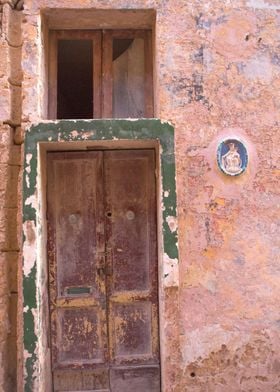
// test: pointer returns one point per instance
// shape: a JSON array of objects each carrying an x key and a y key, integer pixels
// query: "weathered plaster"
[
  {"x": 216, "y": 75},
  {"x": 29, "y": 246},
  {"x": 264, "y": 4}
]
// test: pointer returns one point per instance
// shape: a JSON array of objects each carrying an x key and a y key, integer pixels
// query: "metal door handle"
[
  {"x": 107, "y": 270},
  {"x": 105, "y": 266},
  {"x": 100, "y": 270}
]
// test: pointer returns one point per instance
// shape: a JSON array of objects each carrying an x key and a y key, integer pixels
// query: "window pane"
[
  {"x": 128, "y": 78},
  {"x": 75, "y": 79}
]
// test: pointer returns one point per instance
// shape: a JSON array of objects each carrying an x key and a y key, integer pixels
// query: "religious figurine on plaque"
[{"x": 232, "y": 157}]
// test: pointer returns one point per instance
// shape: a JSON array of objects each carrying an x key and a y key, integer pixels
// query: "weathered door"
[{"x": 103, "y": 271}]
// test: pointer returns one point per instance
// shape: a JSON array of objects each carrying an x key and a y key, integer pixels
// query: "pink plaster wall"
[{"x": 217, "y": 75}]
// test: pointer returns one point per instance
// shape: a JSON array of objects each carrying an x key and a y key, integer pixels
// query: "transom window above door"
[{"x": 100, "y": 74}]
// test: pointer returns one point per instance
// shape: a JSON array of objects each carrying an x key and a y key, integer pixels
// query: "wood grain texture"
[{"x": 102, "y": 251}]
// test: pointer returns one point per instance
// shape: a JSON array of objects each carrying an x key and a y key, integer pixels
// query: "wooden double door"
[{"x": 102, "y": 257}]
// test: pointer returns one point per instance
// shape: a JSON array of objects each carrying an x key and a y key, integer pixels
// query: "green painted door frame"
[{"x": 81, "y": 132}]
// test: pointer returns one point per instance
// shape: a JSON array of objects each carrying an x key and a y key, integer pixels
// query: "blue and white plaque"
[{"x": 232, "y": 157}]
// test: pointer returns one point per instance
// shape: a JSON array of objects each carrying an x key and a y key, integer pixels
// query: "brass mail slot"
[{"x": 78, "y": 290}]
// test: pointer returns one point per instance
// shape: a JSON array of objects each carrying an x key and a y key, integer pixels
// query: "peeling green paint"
[
  {"x": 90, "y": 130},
  {"x": 29, "y": 289},
  {"x": 30, "y": 338}
]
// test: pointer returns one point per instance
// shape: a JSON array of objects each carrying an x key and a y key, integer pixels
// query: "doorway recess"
[{"x": 84, "y": 136}]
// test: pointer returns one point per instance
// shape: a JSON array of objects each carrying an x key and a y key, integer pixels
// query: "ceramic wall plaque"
[{"x": 232, "y": 157}]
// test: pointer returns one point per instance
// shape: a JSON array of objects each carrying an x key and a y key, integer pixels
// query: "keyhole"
[{"x": 109, "y": 214}]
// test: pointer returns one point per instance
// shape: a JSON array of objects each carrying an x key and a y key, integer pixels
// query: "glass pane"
[
  {"x": 128, "y": 78},
  {"x": 75, "y": 79}
]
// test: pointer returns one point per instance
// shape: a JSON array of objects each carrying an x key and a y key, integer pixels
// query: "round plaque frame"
[{"x": 232, "y": 156}]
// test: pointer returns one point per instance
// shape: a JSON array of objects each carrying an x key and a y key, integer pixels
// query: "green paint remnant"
[
  {"x": 30, "y": 343},
  {"x": 170, "y": 242},
  {"x": 29, "y": 289},
  {"x": 29, "y": 378},
  {"x": 89, "y": 130},
  {"x": 29, "y": 339},
  {"x": 29, "y": 213},
  {"x": 170, "y": 200}
]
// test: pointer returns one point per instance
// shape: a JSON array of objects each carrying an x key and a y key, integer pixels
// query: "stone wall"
[
  {"x": 10, "y": 162},
  {"x": 217, "y": 75}
]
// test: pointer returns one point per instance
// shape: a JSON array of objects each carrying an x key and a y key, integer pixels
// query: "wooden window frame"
[
  {"x": 55, "y": 35},
  {"x": 102, "y": 68}
]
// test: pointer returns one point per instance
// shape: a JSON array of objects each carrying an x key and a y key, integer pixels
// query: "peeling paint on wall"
[
  {"x": 29, "y": 246},
  {"x": 264, "y": 4},
  {"x": 172, "y": 223},
  {"x": 170, "y": 271}
]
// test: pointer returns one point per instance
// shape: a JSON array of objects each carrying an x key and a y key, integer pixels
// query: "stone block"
[
  {"x": 11, "y": 197},
  {"x": 15, "y": 154},
  {"x": 3, "y": 275},
  {"x": 4, "y": 170},
  {"x": 19, "y": 139},
  {"x": 4, "y": 319},
  {"x": 30, "y": 104},
  {"x": 12, "y": 266},
  {"x": 13, "y": 301},
  {"x": 3, "y": 365},
  {"x": 12, "y": 363},
  {"x": 30, "y": 28},
  {"x": 4, "y": 59},
  {"x": 5, "y": 100},
  {"x": 16, "y": 99},
  {"x": 4, "y": 153},
  {"x": 12, "y": 229},
  {"x": 12, "y": 25},
  {"x": 30, "y": 60},
  {"x": 5, "y": 134},
  {"x": 2, "y": 198},
  {"x": 8, "y": 229},
  {"x": 15, "y": 73}
]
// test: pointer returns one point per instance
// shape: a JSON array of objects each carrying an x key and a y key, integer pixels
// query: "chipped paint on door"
[
  {"x": 132, "y": 286},
  {"x": 103, "y": 270},
  {"x": 75, "y": 250}
]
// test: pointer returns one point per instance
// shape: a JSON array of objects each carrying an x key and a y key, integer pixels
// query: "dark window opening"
[{"x": 74, "y": 79}]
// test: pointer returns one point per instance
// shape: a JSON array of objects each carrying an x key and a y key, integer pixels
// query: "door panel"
[
  {"x": 103, "y": 271},
  {"x": 78, "y": 335},
  {"x": 132, "y": 330},
  {"x": 76, "y": 252},
  {"x": 137, "y": 379},
  {"x": 130, "y": 231},
  {"x": 77, "y": 194},
  {"x": 129, "y": 201},
  {"x": 77, "y": 380}
]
